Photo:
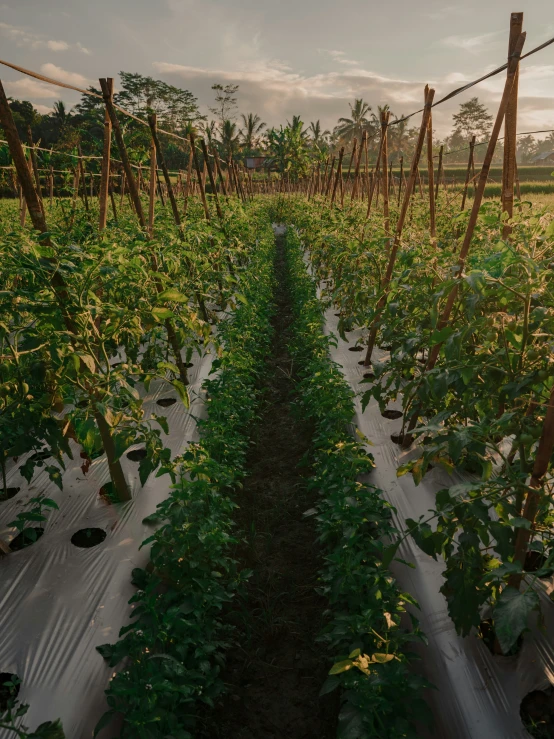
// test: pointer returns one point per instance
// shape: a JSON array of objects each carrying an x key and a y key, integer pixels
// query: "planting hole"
[
  {"x": 188, "y": 365},
  {"x": 355, "y": 348},
  {"x": 397, "y": 438},
  {"x": 87, "y": 538},
  {"x": 8, "y": 493},
  {"x": 9, "y": 689},
  {"x": 137, "y": 454},
  {"x": 25, "y": 538},
  {"x": 537, "y": 713},
  {"x": 534, "y": 561},
  {"x": 487, "y": 634},
  {"x": 166, "y": 402},
  {"x": 391, "y": 414},
  {"x": 367, "y": 375},
  {"x": 40, "y": 456},
  {"x": 337, "y": 315}
]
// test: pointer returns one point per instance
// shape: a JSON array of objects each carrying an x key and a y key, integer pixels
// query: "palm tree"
[
  {"x": 59, "y": 113},
  {"x": 253, "y": 126},
  {"x": 319, "y": 137},
  {"x": 230, "y": 137},
  {"x": 353, "y": 127},
  {"x": 297, "y": 125},
  {"x": 209, "y": 131}
]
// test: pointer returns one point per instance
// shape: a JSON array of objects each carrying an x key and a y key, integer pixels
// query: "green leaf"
[
  {"x": 173, "y": 295},
  {"x": 437, "y": 337},
  {"x": 161, "y": 314},
  {"x": 342, "y": 666},
  {"x": 511, "y": 614},
  {"x": 382, "y": 658},
  {"x": 389, "y": 554},
  {"x": 182, "y": 391}
]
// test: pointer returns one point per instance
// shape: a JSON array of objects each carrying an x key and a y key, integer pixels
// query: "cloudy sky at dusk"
[{"x": 304, "y": 57}]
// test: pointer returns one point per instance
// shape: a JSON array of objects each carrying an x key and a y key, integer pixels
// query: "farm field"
[{"x": 276, "y": 446}]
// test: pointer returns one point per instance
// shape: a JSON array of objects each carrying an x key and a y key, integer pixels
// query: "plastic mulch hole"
[
  {"x": 337, "y": 315},
  {"x": 534, "y": 561},
  {"x": 537, "y": 713},
  {"x": 8, "y": 493},
  {"x": 367, "y": 375},
  {"x": 392, "y": 414},
  {"x": 355, "y": 348},
  {"x": 166, "y": 402},
  {"x": 487, "y": 633},
  {"x": 188, "y": 365},
  {"x": 397, "y": 439},
  {"x": 9, "y": 689},
  {"x": 25, "y": 538},
  {"x": 40, "y": 456},
  {"x": 87, "y": 538},
  {"x": 136, "y": 455}
]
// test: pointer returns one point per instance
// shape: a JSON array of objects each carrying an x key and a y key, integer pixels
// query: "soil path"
[{"x": 275, "y": 675}]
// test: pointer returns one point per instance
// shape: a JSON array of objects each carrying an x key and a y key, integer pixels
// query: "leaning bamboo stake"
[
  {"x": 188, "y": 185},
  {"x": 399, "y": 226},
  {"x": 430, "y": 175},
  {"x": 328, "y": 185},
  {"x": 106, "y": 163},
  {"x": 51, "y": 181},
  {"x": 337, "y": 176},
  {"x": 220, "y": 173},
  {"x": 470, "y": 165},
  {"x": 363, "y": 144},
  {"x": 510, "y": 132},
  {"x": 135, "y": 197},
  {"x": 478, "y": 199}
]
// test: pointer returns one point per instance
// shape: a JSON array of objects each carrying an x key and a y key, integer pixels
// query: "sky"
[{"x": 289, "y": 57}]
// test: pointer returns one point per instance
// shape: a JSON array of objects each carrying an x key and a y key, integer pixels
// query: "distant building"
[
  {"x": 546, "y": 158},
  {"x": 255, "y": 162}
]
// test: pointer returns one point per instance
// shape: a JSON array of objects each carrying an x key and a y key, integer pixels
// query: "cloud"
[
  {"x": 277, "y": 92},
  {"x": 57, "y": 45},
  {"x": 23, "y": 37},
  {"x": 472, "y": 44},
  {"x": 27, "y": 88},
  {"x": 70, "y": 78},
  {"x": 338, "y": 56}
]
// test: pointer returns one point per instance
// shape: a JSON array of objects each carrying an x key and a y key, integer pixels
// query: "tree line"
[{"x": 291, "y": 148}]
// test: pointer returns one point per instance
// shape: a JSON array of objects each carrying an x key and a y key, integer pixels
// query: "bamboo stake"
[
  {"x": 439, "y": 172},
  {"x": 385, "y": 115},
  {"x": 363, "y": 144},
  {"x": 152, "y": 189},
  {"x": 401, "y": 179},
  {"x": 510, "y": 131},
  {"x": 337, "y": 176},
  {"x": 34, "y": 164},
  {"x": 106, "y": 163},
  {"x": 430, "y": 175},
  {"x": 478, "y": 199},
  {"x": 468, "y": 171},
  {"x": 399, "y": 226},
  {"x": 135, "y": 197},
  {"x": 82, "y": 171}
]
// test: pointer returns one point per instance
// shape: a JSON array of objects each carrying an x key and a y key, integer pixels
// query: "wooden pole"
[
  {"x": 337, "y": 176},
  {"x": 152, "y": 188},
  {"x": 135, "y": 197},
  {"x": 430, "y": 175},
  {"x": 400, "y": 226},
  {"x": 385, "y": 115},
  {"x": 468, "y": 171},
  {"x": 510, "y": 130},
  {"x": 439, "y": 172},
  {"x": 106, "y": 163},
  {"x": 401, "y": 179},
  {"x": 363, "y": 144},
  {"x": 83, "y": 178}
]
